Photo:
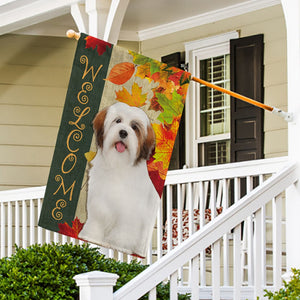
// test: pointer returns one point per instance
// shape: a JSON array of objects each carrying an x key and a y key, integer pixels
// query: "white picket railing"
[
  {"x": 191, "y": 251},
  {"x": 188, "y": 191}
]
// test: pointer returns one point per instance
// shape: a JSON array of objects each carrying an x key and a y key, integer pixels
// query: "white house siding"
[
  {"x": 33, "y": 80},
  {"x": 270, "y": 22}
]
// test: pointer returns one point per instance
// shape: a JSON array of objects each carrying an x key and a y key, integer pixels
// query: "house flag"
[{"x": 118, "y": 128}]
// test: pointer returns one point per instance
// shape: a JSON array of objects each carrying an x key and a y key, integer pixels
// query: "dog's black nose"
[{"x": 123, "y": 134}]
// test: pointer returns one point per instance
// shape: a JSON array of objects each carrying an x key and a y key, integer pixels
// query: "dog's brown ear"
[
  {"x": 98, "y": 125},
  {"x": 149, "y": 143}
]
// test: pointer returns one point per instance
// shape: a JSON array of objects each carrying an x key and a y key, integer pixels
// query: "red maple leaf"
[
  {"x": 94, "y": 43},
  {"x": 176, "y": 77},
  {"x": 66, "y": 229}
]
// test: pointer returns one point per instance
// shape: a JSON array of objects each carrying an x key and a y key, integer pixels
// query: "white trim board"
[{"x": 206, "y": 18}]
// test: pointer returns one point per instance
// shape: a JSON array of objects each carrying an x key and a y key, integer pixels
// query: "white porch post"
[
  {"x": 100, "y": 18},
  {"x": 96, "y": 285},
  {"x": 292, "y": 18}
]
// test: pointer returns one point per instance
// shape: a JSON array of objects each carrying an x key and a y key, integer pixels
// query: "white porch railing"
[
  {"x": 188, "y": 192},
  {"x": 191, "y": 251}
]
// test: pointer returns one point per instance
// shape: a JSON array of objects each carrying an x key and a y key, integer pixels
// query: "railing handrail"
[
  {"x": 230, "y": 170},
  {"x": 22, "y": 194},
  {"x": 210, "y": 233},
  {"x": 247, "y": 168}
]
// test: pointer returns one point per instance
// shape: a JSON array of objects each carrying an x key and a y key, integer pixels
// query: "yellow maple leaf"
[
  {"x": 136, "y": 98},
  {"x": 143, "y": 71},
  {"x": 90, "y": 155}
]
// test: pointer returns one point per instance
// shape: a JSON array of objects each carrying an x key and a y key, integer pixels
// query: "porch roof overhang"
[{"x": 133, "y": 20}]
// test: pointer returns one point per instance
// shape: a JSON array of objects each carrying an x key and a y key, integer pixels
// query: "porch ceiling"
[{"x": 143, "y": 19}]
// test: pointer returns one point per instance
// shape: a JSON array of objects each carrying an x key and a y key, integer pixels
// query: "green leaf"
[{"x": 171, "y": 108}]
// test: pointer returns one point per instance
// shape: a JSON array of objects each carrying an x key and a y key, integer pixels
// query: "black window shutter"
[
  {"x": 178, "y": 155},
  {"x": 246, "y": 77}
]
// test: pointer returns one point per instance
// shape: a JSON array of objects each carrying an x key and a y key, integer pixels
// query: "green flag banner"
[{"x": 115, "y": 141}]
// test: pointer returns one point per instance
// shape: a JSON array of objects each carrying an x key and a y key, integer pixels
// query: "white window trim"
[{"x": 201, "y": 49}]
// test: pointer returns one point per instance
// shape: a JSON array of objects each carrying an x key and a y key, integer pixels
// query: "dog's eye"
[
  {"x": 134, "y": 127},
  {"x": 118, "y": 121}
]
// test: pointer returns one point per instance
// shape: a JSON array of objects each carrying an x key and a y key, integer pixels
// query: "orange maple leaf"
[
  {"x": 121, "y": 73},
  {"x": 136, "y": 98}
]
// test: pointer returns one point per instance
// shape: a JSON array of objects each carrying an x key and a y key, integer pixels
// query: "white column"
[
  {"x": 97, "y": 11},
  {"x": 292, "y": 18},
  {"x": 96, "y": 285}
]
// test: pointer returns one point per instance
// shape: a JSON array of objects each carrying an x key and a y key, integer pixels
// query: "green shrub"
[
  {"x": 290, "y": 291},
  {"x": 46, "y": 272}
]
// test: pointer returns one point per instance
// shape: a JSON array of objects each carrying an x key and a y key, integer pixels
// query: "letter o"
[{"x": 71, "y": 157}]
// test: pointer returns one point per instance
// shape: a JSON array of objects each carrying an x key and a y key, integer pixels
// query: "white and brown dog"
[{"x": 121, "y": 200}]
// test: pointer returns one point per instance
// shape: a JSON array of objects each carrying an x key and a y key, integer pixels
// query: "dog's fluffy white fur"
[{"x": 121, "y": 200}]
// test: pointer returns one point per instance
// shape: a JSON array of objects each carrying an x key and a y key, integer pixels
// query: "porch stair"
[{"x": 212, "y": 234}]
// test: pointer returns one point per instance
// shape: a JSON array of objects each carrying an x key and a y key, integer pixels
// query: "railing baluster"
[
  {"x": 40, "y": 230},
  {"x": 169, "y": 217},
  {"x": 152, "y": 294},
  {"x": 224, "y": 204},
  {"x": 213, "y": 198},
  {"x": 179, "y": 228},
  {"x": 9, "y": 229},
  {"x": 258, "y": 287},
  {"x": 190, "y": 208},
  {"x": 202, "y": 198},
  {"x": 64, "y": 239},
  {"x": 55, "y": 237},
  {"x": 32, "y": 222},
  {"x": 263, "y": 240},
  {"x": 173, "y": 286},
  {"x": 237, "y": 276},
  {"x": 237, "y": 267},
  {"x": 17, "y": 223},
  {"x": 48, "y": 239},
  {"x": 120, "y": 256},
  {"x": 191, "y": 220},
  {"x": 2, "y": 224},
  {"x": 277, "y": 241},
  {"x": 24, "y": 224},
  {"x": 249, "y": 232},
  {"x": 216, "y": 270},
  {"x": 194, "y": 282}
]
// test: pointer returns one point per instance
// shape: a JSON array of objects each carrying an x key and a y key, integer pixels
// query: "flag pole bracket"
[{"x": 285, "y": 115}]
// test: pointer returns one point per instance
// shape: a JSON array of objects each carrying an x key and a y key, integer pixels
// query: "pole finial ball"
[{"x": 71, "y": 34}]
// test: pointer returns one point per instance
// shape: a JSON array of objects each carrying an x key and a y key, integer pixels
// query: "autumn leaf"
[
  {"x": 185, "y": 78},
  {"x": 165, "y": 138},
  {"x": 136, "y": 98},
  {"x": 121, "y": 73},
  {"x": 158, "y": 167},
  {"x": 154, "y": 105},
  {"x": 143, "y": 71},
  {"x": 94, "y": 43},
  {"x": 171, "y": 108},
  {"x": 157, "y": 174},
  {"x": 175, "y": 77},
  {"x": 139, "y": 59},
  {"x": 66, "y": 229},
  {"x": 90, "y": 155}
]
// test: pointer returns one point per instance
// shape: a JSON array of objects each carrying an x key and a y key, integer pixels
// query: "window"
[
  {"x": 214, "y": 112},
  {"x": 208, "y": 110}
]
